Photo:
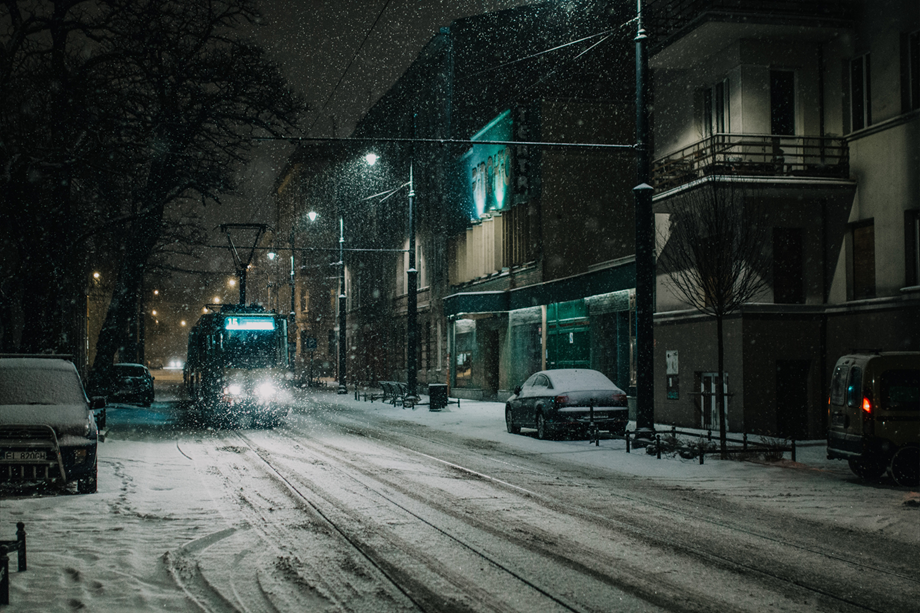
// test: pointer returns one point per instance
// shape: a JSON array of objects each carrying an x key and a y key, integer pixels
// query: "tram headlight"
[
  {"x": 265, "y": 390},
  {"x": 234, "y": 389}
]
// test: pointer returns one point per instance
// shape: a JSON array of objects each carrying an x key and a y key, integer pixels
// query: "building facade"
[
  {"x": 813, "y": 109},
  {"x": 523, "y": 207}
]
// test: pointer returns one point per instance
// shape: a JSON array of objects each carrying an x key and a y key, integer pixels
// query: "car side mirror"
[{"x": 517, "y": 389}]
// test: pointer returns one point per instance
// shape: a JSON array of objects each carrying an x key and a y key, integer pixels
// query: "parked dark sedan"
[
  {"x": 48, "y": 428},
  {"x": 126, "y": 383},
  {"x": 555, "y": 400}
]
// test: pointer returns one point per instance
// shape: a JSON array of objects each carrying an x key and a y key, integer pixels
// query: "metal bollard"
[
  {"x": 702, "y": 453},
  {"x": 627, "y": 441},
  {"x": 658, "y": 446},
  {"x": 4, "y": 577},
  {"x": 744, "y": 441},
  {"x": 21, "y": 537}
]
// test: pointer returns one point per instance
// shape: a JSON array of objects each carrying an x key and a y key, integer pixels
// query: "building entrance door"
[{"x": 710, "y": 413}]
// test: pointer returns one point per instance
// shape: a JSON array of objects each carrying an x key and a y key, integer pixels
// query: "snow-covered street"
[{"x": 359, "y": 506}]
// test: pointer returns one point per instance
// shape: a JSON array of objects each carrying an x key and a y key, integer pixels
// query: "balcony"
[
  {"x": 670, "y": 19},
  {"x": 753, "y": 155}
]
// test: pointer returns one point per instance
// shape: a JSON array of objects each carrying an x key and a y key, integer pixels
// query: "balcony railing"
[
  {"x": 668, "y": 17},
  {"x": 753, "y": 155}
]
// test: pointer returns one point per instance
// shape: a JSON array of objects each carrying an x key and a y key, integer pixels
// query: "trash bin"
[{"x": 437, "y": 396}]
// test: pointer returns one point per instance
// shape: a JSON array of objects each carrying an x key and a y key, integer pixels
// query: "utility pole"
[
  {"x": 412, "y": 299},
  {"x": 645, "y": 249},
  {"x": 343, "y": 351}
]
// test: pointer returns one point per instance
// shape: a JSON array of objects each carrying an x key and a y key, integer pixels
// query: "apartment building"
[{"x": 813, "y": 108}]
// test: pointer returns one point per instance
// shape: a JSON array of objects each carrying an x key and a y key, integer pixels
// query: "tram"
[{"x": 237, "y": 366}]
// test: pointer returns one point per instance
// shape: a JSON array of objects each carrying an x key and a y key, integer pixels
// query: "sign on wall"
[
  {"x": 487, "y": 168},
  {"x": 672, "y": 370}
]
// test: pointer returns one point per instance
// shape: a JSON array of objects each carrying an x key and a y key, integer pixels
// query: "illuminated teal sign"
[
  {"x": 487, "y": 168},
  {"x": 249, "y": 323}
]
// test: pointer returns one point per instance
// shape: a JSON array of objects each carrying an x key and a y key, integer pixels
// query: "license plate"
[{"x": 25, "y": 455}]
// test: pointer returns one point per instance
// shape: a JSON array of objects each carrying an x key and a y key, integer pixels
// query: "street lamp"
[
  {"x": 412, "y": 284},
  {"x": 342, "y": 312}
]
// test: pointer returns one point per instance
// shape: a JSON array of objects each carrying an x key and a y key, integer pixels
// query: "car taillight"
[
  {"x": 561, "y": 400},
  {"x": 867, "y": 405}
]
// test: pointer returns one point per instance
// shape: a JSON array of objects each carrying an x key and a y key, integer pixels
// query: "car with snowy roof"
[
  {"x": 48, "y": 426},
  {"x": 124, "y": 383},
  {"x": 552, "y": 401}
]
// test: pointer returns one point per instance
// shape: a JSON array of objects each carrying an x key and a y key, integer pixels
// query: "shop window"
[
  {"x": 464, "y": 360},
  {"x": 863, "y": 236},
  {"x": 860, "y": 93},
  {"x": 910, "y": 71}
]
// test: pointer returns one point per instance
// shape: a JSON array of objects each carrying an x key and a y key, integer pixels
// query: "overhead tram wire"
[
  {"x": 350, "y": 63},
  {"x": 539, "y": 53},
  {"x": 444, "y": 141}
]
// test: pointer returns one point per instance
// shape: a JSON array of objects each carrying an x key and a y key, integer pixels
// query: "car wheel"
[
  {"x": 869, "y": 468},
  {"x": 543, "y": 428},
  {"x": 513, "y": 428},
  {"x": 88, "y": 484},
  {"x": 905, "y": 466}
]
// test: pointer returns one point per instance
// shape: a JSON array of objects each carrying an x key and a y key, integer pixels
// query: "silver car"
[{"x": 567, "y": 398}]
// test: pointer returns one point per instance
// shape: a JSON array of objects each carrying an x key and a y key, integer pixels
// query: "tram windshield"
[{"x": 251, "y": 342}]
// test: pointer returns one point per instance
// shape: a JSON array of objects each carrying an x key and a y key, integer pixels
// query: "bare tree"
[
  {"x": 716, "y": 257},
  {"x": 114, "y": 115}
]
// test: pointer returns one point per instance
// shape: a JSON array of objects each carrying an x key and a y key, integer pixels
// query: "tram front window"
[
  {"x": 249, "y": 342},
  {"x": 249, "y": 349}
]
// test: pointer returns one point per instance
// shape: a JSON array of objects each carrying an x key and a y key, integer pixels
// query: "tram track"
[
  {"x": 749, "y": 563},
  {"x": 903, "y": 572},
  {"x": 371, "y": 547},
  {"x": 656, "y": 591}
]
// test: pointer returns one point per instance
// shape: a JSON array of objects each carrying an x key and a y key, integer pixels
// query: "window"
[
  {"x": 854, "y": 389},
  {"x": 716, "y": 109},
  {"x": 519, "y": 227},
  {"x": 860, "y": 93},
  {"x": 910, "y": 71},
  {"x": 838, "y": 385},
  {"x": 900, "y": 390},
  {"x": 782, "y": 102},
  {"x": 863, "y": 260}
]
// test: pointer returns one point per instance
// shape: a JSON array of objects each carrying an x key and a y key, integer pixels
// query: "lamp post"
[
  {"x": 412, "y": 299},
  {"x": 342, "y": 312},
  {"x": 411, "y": 282},
  {"x": 645, "y": 249}
]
